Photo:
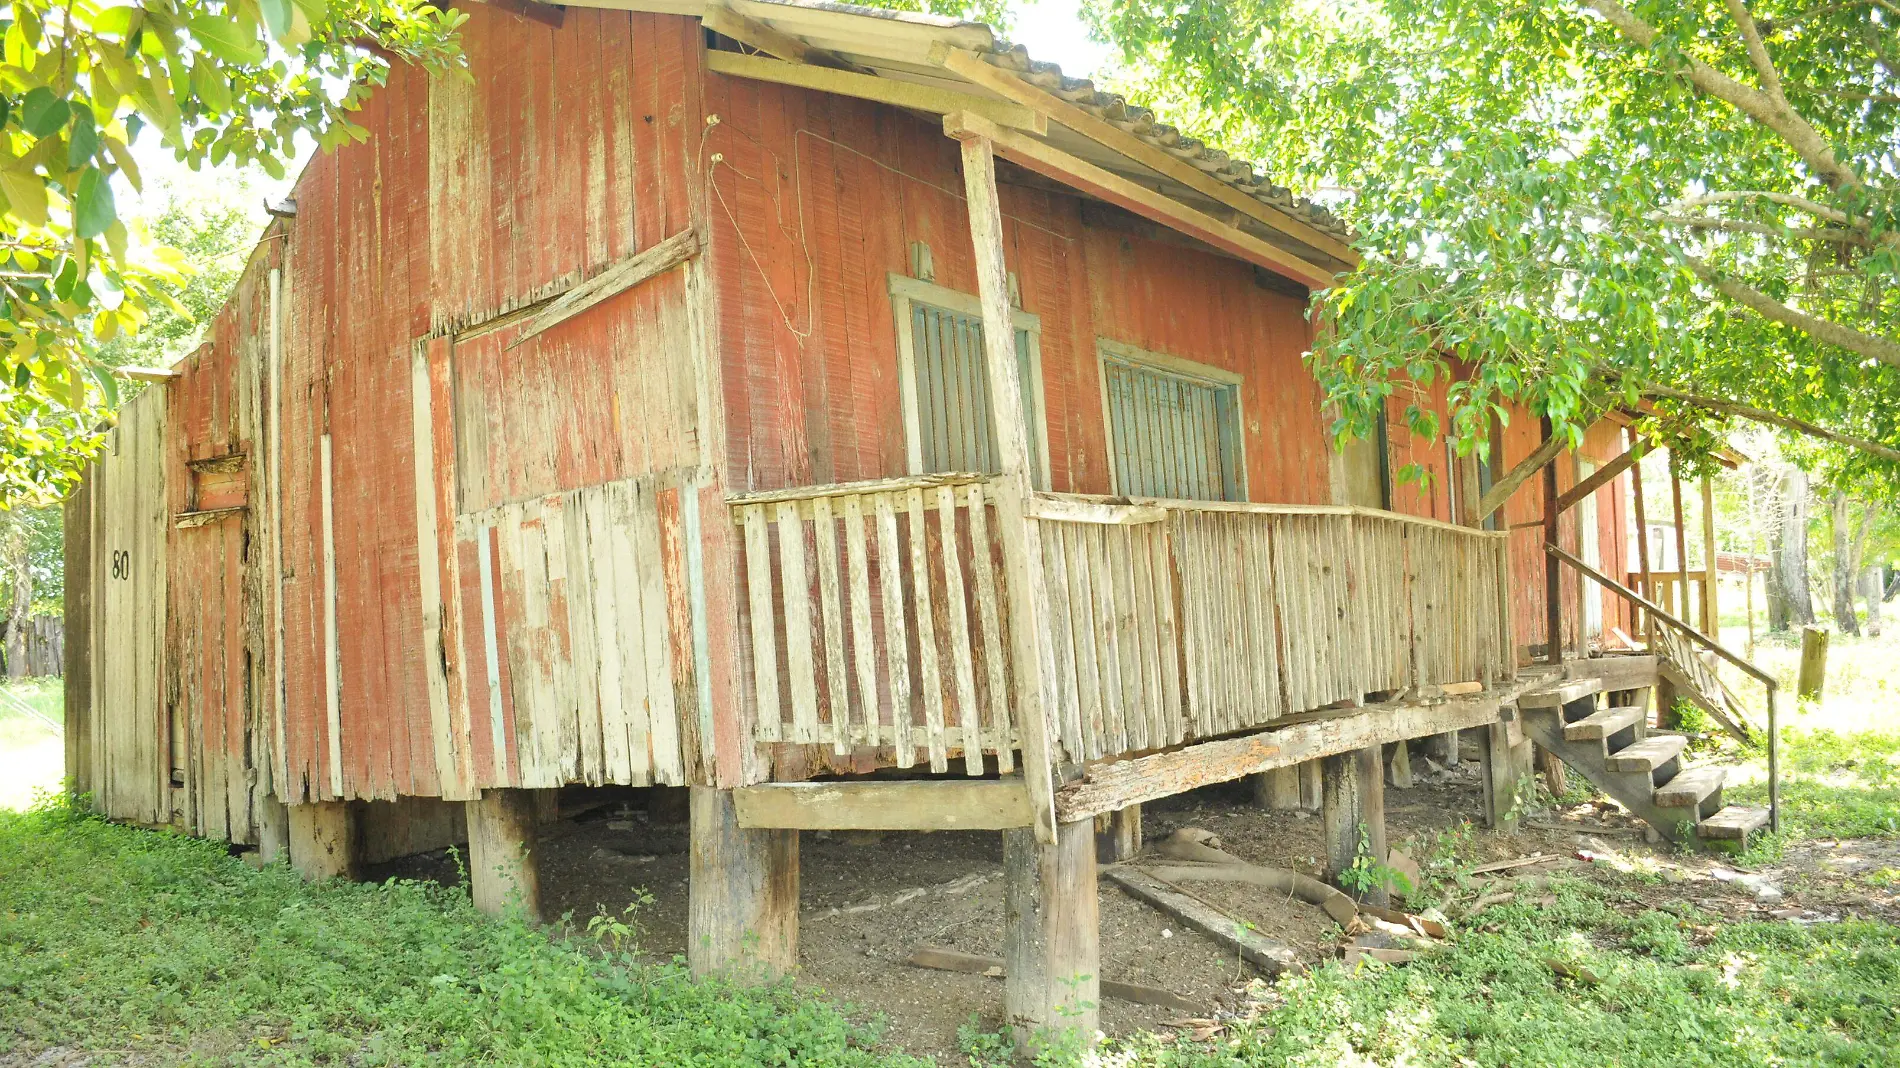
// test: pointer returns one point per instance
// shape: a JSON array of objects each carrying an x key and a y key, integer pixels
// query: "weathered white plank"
[
  {"x": 863, "y": 641},
  {"x": 632, "y": 562},
  {"x": 962, "y": 662},
  {"x": 896, "y": 614},
  {"x": 831, "y": 603},
  {"x": 763, "y": 617},
  {"x": 989, "y": 617},
  {"x": 606, "y": 651},
  {"x": 930, "y": 679},
  {"x": 795, "y": 597},
  {"x": 663, "y": 730}
]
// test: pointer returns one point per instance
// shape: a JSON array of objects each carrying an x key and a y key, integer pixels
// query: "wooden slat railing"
[
  {"x": 876, "y": 614},
  {"x": 880, "y": 608}
]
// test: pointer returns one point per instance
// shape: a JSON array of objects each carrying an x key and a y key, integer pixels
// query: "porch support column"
[
  {"x": 1504, "y": 767},
  {"x": 1118, "y": 835},
  {"x": 1051, "y": 940},
  {"x": 1311, "y": 791},
  {"x": 503, "y": 871},
  {"x": 323, "y": 840},
  {"x": 1278, "y": 789},
  {"x": 742, "y": 894},
  {"x": 1354, "y": 801},
  {"x": 1443, "y": 748},
  {"x": 1711, "y": 592},
  {"x": 1553, "y": 581},
  {"x": 1033, "y": 655}
]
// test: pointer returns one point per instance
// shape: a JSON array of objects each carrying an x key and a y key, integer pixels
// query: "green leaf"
[
  {"x": 225, "y": 39},
  {"x": 22, "y": 376},
  {"x": 108, "y": 384},
  {"x": 93, "y": 208},
  {"x": 25, "y": 195},
  {"x": 276, "y": 17},
  {"x": 83, "y": 141},
  {"x": 43, "y": 114}
]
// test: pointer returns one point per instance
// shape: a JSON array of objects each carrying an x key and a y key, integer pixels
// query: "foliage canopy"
[
  {"x": 214, "y": 81},
  {"x": 1572, "y": 203}
]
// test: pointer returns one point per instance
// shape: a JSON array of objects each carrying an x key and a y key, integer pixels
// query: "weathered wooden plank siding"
[
  {"x": 131, "y": 735},
  {"x": 817, "y": 200}
]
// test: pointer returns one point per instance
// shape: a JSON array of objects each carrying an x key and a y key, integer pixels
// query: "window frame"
[
  {"x": 1193, "y": 370},
  {"x": 905, "y": 291}
]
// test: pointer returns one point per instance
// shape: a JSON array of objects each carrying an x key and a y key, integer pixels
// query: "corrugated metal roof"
[{"x": 910, "y": 46}]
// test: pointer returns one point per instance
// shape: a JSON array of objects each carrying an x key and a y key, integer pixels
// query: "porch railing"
[{"x": 877, "y": 614}]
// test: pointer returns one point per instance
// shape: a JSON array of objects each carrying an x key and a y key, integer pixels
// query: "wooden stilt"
[
  {"x": 1504, "y": 768},
  {"x": 1310, "y": 792},
  {"x": 273, "y": 830},
  {"x": 1665, "y": 703},
  {"x": 1399, "y": 766},
  {"x": 323, "y": 840},
  {"x": 1278, "y": 789},
  {"x": 1551, "y": 766},
  {"x": 1353, "y": 816},
  {"x": 1051, "y": 937},
  {"x": 502, "y": 869},
  {"x": 1444, "y": 748},
  {"x": 743, "y": 895},
  {"x": 1118, "y": 835}
]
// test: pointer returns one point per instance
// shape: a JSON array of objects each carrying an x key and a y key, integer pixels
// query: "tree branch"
[
  {"x": 1756, "y": 104},
  {"x": 1757, "y": 52},
  {"x": 1791, "y": 233},
  {"x": 1762, "y": 415},
  {"x": 1833, "y": 333},
  {"x": 1786, "y": 200}
]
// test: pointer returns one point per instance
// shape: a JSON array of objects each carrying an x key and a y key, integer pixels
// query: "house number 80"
[{"x": 121, "y": 564}]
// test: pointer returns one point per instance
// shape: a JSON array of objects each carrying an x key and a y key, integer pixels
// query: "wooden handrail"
[
  {"x": 1260, "y": 508},
  {"x": 1767, "y": 680},
  {"x": 1653, "y": 609},
  {"x": 845, "y": 489}
]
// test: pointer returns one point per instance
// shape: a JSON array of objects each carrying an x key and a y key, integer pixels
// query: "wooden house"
[{"x": 830, "y": 410}]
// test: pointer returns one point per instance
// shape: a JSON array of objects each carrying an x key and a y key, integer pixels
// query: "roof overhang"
[{"x": 1060, "y": 127}]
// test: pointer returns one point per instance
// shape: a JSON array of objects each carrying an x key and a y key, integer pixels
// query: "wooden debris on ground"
[
  {"x": 1505, "y": 865},
  {"x": 950, "y": 960},
  {"x": 1207, "y": 862},
  {"x": 1270, "y": 956}
]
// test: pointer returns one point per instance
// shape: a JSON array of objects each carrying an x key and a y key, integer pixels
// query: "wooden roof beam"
[
  {"x": 972, "y": 67},
  {"x": 1080, "y": 174},
  {"x": 721, "y": 18},
  {"x": 881, "y": 90},
  {"x": 1598, "y": 479}
]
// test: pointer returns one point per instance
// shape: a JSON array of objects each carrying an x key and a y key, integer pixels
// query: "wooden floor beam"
[
  {"x": 1051, "y": 918},
  {"x": 742, "y": 896}
]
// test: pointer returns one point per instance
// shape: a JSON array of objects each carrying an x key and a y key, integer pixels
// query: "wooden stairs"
[{"x": 1612, "y": 746}]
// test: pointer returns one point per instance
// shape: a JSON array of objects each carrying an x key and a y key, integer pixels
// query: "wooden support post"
[
  {"x": 1553, "y": 580},
  {"x": 1312, "y": 794},
  {"x": 1353, "y": 815},
  {"x": 1278, "y": 789},
  {"x": 1648, "y": 588},
  {"x": 323, "y": 840},
  {"x": 1682, "y": 606},
  {"x": 1665, "y": 717},
  {"x": 273, "y": 830},
  {"x": 742, "y": 897},
  {"x": 1711, "y": 592},
  {"x": 1505, "y": 767},
  {"x": 1444, "y": 748},
  {"x": 1813, "y": 677},
  {"x": 1551, "y": 766},
  {"x": 1399, "y": 765},
  {"x": 1051, "y": 937},
  {"x": 1118, "y": 835},
  {"x": 1034, "y": 660},
  {"x": 502, "y": 868}
]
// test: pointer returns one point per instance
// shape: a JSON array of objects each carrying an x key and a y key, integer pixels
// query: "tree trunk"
[
  {"x": 1845, "y": 572},
  {"x": 1788, "y": 577},
  {"x": 1872, "y": 592},
  {"x": 13, "y": 545}
]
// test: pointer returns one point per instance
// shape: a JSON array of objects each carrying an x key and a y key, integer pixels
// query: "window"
[
  {"x": 945, "y": 381},
  {"x": 1174, "y": 426}
]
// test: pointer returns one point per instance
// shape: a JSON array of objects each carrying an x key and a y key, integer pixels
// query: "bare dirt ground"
[{"x": 868, "y": 900}]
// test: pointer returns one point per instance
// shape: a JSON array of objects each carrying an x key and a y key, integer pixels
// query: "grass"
[
  {"x": 1649, "y": 986},
  {"x": 32, "y": 754},
  {"x": 166, "y": 949}
]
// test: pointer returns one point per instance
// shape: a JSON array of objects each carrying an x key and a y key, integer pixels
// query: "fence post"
[{"x": 1813, "y": 677}]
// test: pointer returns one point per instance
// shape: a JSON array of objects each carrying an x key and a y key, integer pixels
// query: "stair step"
[
  {"x": 1648, "y": 754},
  {"x": 1690, "y": 787},
  {"x": 1733, "y": 823},
  {"x": 1560, "y": 695},
  {"x": 1603, "y": 724}
]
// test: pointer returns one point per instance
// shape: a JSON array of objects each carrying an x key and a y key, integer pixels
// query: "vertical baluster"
[
  {"x": 896, "y": 634},
  {"x": 758, "y": 567},
  {"x": 831, "y": 602}
]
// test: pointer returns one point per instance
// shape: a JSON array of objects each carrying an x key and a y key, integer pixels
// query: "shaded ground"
[{"x": 868, "y": 900}]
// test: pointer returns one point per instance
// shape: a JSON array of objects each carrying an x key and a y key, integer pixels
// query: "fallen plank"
[
  {"x": 1429, "y": 928},
  {"x": 950, "y": 960},
  {"x": 1262, "y": 952},
  {"x": 1505, "y": 865}
]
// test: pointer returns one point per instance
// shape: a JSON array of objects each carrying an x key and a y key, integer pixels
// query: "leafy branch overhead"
[
  {"x": 215, "y": 81},
  {"x": 1568, "y": 202}
]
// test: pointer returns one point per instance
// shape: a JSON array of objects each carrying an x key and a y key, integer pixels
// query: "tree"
[
  {"x": 1789, "y": 599},
  {"x": 1565, "y": 201},
  {"x": 215, "y": 81},
  {"x": 32, "y": 549}
]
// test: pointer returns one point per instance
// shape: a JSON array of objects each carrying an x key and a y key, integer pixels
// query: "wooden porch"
[{"x": 884, "y": 622}]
